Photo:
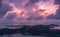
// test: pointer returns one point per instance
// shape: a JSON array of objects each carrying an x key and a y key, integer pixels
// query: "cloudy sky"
[{"x": 16, "y": 12}]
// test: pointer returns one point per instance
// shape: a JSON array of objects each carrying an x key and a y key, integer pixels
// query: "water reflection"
[{"x": 20, "y": 35}]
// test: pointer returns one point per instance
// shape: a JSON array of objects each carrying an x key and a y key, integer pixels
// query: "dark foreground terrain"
[{"x": 38, "y": 30}]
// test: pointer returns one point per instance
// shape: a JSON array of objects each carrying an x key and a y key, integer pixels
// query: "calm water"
[{"x": 19, "y": 35}]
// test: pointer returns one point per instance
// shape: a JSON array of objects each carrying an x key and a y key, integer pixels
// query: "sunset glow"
[
  {"x": 29, "y": 10},
  {"x": 49, "y": 10},
  {"x": 43, "y": 9},
  {"x": 40, "y": 18}
]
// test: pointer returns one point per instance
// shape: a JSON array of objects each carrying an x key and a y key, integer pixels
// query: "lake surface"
[{"x": 19, "y": 35}]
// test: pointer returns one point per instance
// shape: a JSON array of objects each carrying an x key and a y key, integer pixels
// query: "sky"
[{"x": 29, "y": 12}]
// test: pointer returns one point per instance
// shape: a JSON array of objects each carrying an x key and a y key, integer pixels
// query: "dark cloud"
[
  {"x": 32, "y": 2},
  {"x": 0, "y": 4},
  {"x": 57, "y": 2},
  {"x": 35, "y": 18},
  {"x": 56, "y": 16},
  {"x": 4, "y": 9},
  {"x": 45, "y": 0},
  {"x": 15, "y": 1},
  {"x": 11, "y": 16}
]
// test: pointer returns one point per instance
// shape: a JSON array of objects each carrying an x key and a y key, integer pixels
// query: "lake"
[{"x": 19, "y": 35}]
